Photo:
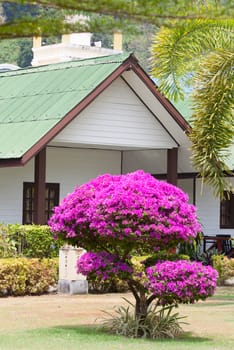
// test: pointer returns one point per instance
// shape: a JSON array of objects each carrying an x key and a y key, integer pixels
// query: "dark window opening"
[
  {"x": 51, "y": 200},
  {"x": 227, "y": 212}
]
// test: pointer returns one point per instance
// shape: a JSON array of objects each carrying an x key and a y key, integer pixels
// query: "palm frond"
[
  {"x": 157, "y": 323},
  {"x": 175, "y": 51},
  {"x": 212, "y": 121}
]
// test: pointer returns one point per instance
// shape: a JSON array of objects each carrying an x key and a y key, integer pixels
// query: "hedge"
[
  {"x": 33, "y": 241},
  {"x": 224, "y": 266},
  {"x": 22, "y": 276}
]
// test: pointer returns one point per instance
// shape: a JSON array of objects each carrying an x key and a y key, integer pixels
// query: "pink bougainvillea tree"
[{"x": 115, "y": 217}]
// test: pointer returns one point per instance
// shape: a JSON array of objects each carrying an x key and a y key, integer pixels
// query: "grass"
[
  {"x": 224, "y": 294},
  {"x": 89, "y": 338},
  {"x": 217, "y": 303},
  {"x": 223, "y": 297},
  {"x": 67, "y": 322}
]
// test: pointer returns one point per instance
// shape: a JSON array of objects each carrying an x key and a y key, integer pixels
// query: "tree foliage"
[
  {"x": 137, "y": 36},
  {"x": 19, "y": 50},
  {"x": 200, "y": 52},
  {"x": 16, "y": 51},
  {"x": 152, "y": 11}
]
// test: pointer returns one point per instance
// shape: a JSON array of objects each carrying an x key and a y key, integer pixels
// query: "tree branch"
[
  {"x": 133, "y": 290},
  {"x": 149, "y": 11},
  {"x": 150, "y": 299}
]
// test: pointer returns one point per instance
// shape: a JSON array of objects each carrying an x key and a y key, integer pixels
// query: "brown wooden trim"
[
  {"x": 121, "y": 162},
  {"x": 179, "y": 175},
  {"x": 11, "y": 162},
  {"x": 194, "y": 190},
  {"x": 40, "y": 187},
  {"x": 163, "y": 176},
  {"x": 172, "y": 165}
]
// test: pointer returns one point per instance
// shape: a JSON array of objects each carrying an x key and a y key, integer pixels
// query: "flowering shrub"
[
  {"x": 116, "y": 216},
  {"x": 181, "y": 281},
  {"x": 134, "y": 207},
  {"x": 102, "y": 264}
]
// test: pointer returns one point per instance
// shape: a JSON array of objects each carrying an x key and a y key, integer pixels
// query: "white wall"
[
  {"x": 116, "y": 119},
  {"x": 11, "y": 192},
  {"x": 187, "y": 186},
  {"x": 208, "y": 209},
  {"x": 152, "y": 161},
  {"x": 72, "y": 167},
  {"x": 69, "y": 167}
]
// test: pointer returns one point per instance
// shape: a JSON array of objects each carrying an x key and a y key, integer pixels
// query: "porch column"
[
  {"x": 40, "y": 187},
  {"x": 172, "y": 163}
]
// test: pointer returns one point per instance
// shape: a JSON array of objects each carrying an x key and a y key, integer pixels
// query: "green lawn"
[
  {"x": 89, "y": 338},
  {"x": 211, "y": 325}
]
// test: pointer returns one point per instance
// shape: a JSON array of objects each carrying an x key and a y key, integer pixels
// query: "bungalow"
[{"x": 65, "y": 123}]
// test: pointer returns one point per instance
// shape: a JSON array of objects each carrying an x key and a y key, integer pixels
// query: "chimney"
[
  {"x": 66, "y": 38},
  {"x": 118, "y": 41},
  {"x": 36, "y": 42}
]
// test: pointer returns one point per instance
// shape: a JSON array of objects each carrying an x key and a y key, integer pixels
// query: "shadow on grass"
[
  {"x": 88, "y": 331},
  {"x": 91, "y": 338}
]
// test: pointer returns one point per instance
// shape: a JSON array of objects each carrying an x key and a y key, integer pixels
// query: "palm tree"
[{"x": 200, "y": 52}]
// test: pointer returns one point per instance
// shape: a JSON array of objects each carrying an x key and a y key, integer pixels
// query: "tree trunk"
[
  {"x": 141, "y": 308},
  {"x": 142, "y": 303}
]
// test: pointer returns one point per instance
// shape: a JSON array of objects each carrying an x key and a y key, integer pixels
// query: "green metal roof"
[{"x": 34, "y": 100}]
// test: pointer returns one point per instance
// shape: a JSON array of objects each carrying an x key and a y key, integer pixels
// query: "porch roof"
[{"x": 37, "y": 103}]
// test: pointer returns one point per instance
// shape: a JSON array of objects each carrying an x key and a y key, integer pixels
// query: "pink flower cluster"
[
  {"x": 181, "y": 281},
  {"x": 134, "y": 207},
  {"x": 102, "y": 264}
]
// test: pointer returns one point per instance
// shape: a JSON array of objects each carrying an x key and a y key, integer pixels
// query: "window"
[
  {"x": 227, "y": 212},
  {"x": 52, "y": 199}
]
